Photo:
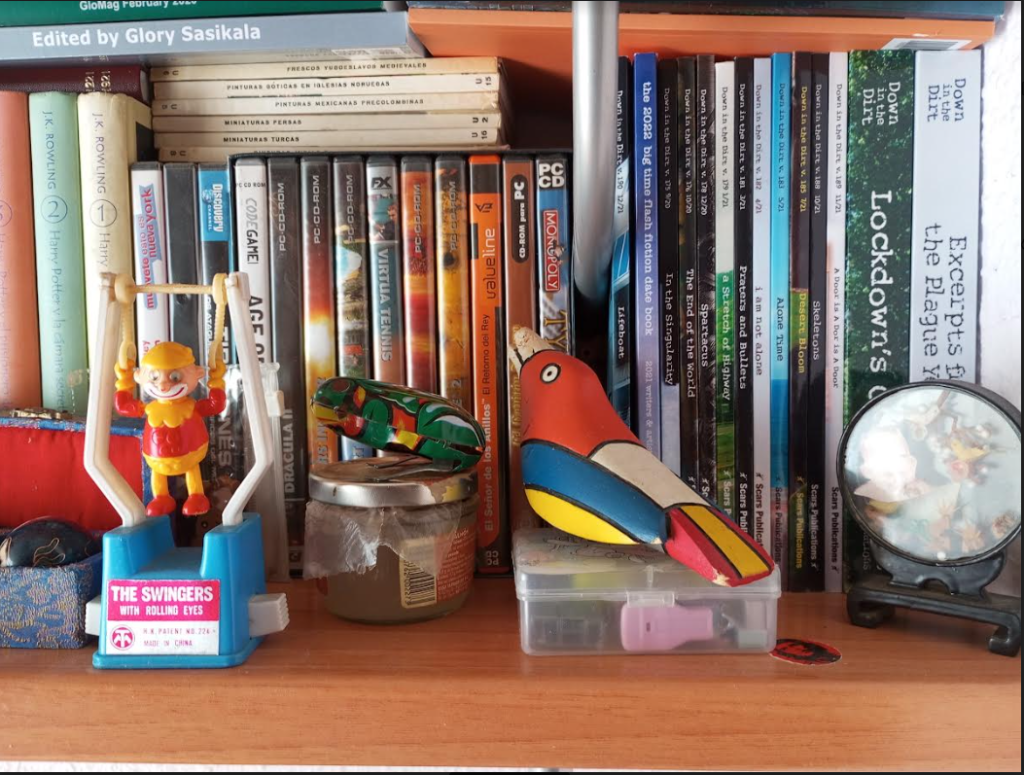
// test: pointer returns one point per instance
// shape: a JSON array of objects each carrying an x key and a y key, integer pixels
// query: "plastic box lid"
[{"x": 551, "y": 565}]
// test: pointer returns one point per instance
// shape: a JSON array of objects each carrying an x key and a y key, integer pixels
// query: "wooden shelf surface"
[{"x": 920, "y": 693}]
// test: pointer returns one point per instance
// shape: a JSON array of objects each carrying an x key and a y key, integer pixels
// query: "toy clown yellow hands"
[
  {"x": 586, "y": 473},
  {"x": 175, "y": 440}
]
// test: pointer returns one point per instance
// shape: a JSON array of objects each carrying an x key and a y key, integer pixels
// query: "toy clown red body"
[{"x": 175, "y": 440}]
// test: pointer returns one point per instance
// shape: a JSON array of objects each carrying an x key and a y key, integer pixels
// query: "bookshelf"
[{"x": 922, "y": 693}]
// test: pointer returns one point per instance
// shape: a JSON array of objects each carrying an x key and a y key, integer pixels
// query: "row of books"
[
  {"x": 411, "y": 270},
  {"x": 66, "y": 215},
  {"x": 804, "y": 236},
  {"x": 208, "y": 112}
]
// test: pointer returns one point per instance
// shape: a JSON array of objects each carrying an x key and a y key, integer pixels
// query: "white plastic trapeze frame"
[{"x": 101, "y": 396}]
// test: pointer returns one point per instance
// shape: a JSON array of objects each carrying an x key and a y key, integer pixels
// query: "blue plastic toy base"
[{"x": 231, "y": 556}]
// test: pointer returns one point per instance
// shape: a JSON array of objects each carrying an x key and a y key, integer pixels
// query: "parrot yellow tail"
[{"x": 705, "y": 539}]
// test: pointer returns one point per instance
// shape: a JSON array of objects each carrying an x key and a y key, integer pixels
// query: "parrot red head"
[{"x": 563, "y": 401}]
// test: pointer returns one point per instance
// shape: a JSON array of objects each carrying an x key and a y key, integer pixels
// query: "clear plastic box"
[{"x": 580, "y": 597}]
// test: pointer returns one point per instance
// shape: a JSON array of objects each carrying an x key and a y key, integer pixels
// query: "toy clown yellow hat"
[{"x": 168, "y": 355}]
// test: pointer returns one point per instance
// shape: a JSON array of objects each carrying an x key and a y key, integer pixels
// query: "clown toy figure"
[{"x": 175, "y": 440}]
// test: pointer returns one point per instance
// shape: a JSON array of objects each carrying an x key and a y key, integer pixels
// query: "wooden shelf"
[
  {"x": 920, "y": 693},
  {"x": 537, "y": 46}
]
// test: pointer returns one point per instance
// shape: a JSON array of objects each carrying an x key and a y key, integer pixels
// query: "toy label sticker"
[{"x": 163, "y": 617}]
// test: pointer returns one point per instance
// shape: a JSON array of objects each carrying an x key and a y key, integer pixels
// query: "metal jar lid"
[{"x": 404, "y": 481}]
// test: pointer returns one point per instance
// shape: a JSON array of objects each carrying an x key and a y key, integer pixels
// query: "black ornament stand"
[{"x": 948, "y": 590}]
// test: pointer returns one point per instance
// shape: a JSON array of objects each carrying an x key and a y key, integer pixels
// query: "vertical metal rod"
[{"x": 595, "y": 51}]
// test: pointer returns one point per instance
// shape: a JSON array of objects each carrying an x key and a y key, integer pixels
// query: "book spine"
[
  {"x": 835, "y": 311},
  {"x": 455, "y": 371},
  {"x": 779, "y": 170},
  {"x": 555, "y": 270},
  {"x": 286, "y": 320},
  {"x": 880, "y": 182},
  {"x": 180, "y": 203},
  {"x": 380, "y": 85},
  {"x": 326, "y": 69},
  {"x": 152, "y": 310},
  {"x": 493, "y": 539},
  {"x": 880, "y": 167},
  {"x": 725, "y": 270},
  {"x": 60, "y": 261},
  {"x": 352, "y": 35},
  {"x": 706, "y": 278},
  {"x": 106, "y": 225},
  {"x": 817, "y": 339},
  {"x": 119, "y": 79},
  {"x": 20, "y": 385},
  {"x": 227, "y": 457},
  {"x": 743, "y": 240},
  {"x": 799, "y": 318},
  {"x": 687, "y": 256},
  {"x": 352, "y": 308},
  {"x": 356, "y": 103},
  {"x": 387, "y": 328},
  {"x": 339, "y": 138},
  {"x": 260, "y": 124},
  {"x": 253, "y": 249},
  {"x": 520, "y": 247},
  {"x": 668, "y": 263},
  {"x": 317, "y": 297},
  {"x": 53, "y": 13},
  {"x": 620, "y": 313},
  {"x": 418, "y": 285},
  {"x": 944, "y": 278},
  {"x": 762, "y": 300},
  {"x": 647, "y": 355}
]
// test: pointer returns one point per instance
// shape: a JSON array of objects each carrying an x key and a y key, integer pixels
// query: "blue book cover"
[
  {"x": 648, "y": 299},
  {"x": 620, "y": 313},
  {"x": 779, "y": 354}
]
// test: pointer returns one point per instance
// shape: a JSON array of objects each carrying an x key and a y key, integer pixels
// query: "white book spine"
[
  {"x": 413, "y": 66},
  {"x": 253, "y": 246},
  {"x": 334, "y": 139},
  {"x": 835, "y": 317},
  {"x": 762, "y": 319},
  {"x": 106, "y": 204},
  {"x": 298, "y": 87},
  {"x": 357, "y": 103},
  {"x": 150, "y": 232},
  {"x": 947, "y": 194},
  {"x": 251, "y": 124}
]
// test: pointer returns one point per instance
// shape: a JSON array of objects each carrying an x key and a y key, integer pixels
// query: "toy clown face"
[{"x": 169, "y": 372}]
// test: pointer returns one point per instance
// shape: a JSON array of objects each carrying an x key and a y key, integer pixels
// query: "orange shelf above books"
[{"x": 537, "y": 47}]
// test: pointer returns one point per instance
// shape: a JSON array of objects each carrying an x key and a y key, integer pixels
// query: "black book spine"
[
  {"x": 818, "y": 342},
  {"x": 799, "y": 273},
  {"x": 706, "y": 278},
  {"x": 668, "y": 262},
  {"x": 286, "y": 319},
  {"x": 744, "y": 247},
  {"x": 687, "y": 253},
  {"x": 180, "y": 200}
]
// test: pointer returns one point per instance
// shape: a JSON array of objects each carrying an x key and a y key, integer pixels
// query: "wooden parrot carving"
[{"x": 587, "y": 474}]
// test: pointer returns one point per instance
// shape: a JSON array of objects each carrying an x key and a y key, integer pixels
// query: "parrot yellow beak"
[{"x": 525, "y": 344}]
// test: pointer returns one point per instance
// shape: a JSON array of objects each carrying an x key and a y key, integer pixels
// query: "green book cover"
[
  {"x": 60, "y": 261},
  {"x": 880, "y": 174},
  {"x": 725, "y": 267},
  {"x": 58, "y": 12}
]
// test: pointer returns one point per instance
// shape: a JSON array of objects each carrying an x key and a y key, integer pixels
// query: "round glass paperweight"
[{"x": 931, "y": 471}]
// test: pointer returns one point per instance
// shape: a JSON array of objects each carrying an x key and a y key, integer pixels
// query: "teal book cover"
[{"x": 60, "y": 261}]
